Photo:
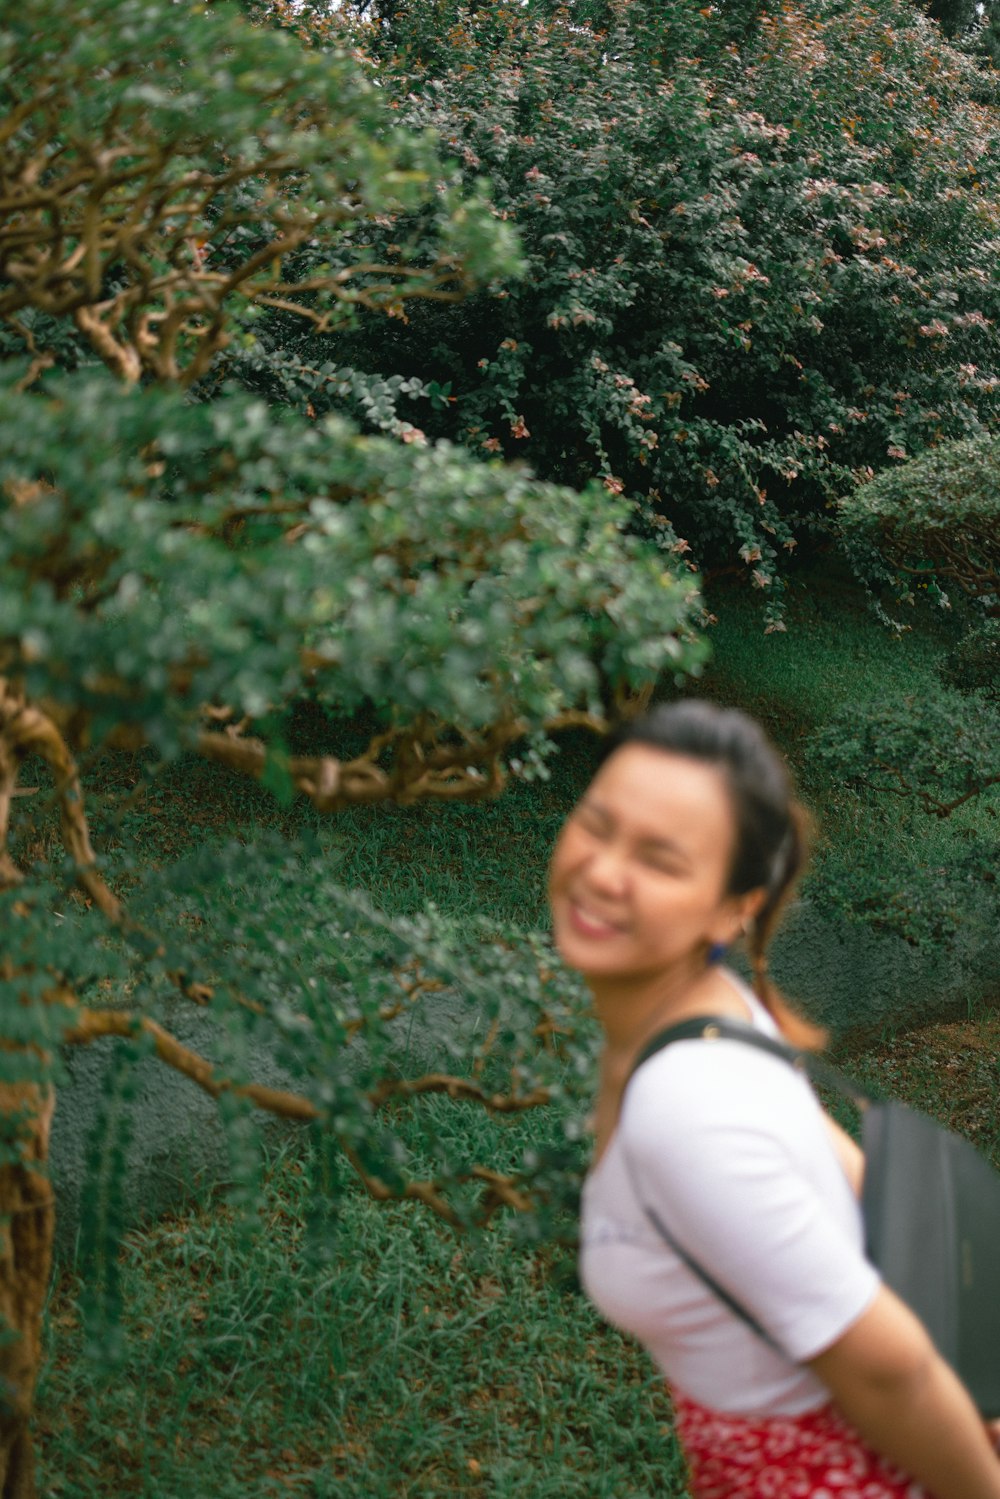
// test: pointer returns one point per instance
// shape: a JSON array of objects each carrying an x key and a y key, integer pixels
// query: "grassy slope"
[
  {"x": 389, "y": 1359},
  {"x": 869, "y": 847},
  {"x": 834, "y": 655},
  {"x": 402, "y": 1362}
]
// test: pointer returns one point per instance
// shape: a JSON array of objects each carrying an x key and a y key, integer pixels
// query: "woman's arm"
[
  {"x": 892, "y": 1385},
  {"x": 849, "y": 1153}
]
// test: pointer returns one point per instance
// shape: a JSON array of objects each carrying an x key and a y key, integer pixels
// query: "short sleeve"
[{"x": 729, "y": 1148}]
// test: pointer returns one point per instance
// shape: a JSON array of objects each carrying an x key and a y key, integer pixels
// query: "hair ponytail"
[{"x": 793, "y": 1026}]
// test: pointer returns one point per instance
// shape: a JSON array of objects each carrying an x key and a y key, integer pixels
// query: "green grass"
[
  {"x": 833, "y": 654},
  {"x": 372, "y": 1353},
  {"x": 385, "y": 1358}
]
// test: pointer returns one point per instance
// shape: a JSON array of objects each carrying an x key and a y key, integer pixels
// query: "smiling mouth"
[{"x": 590, "y": 924}]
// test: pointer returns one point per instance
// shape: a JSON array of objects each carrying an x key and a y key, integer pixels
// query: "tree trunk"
[{"x": 27, "y": 1221}]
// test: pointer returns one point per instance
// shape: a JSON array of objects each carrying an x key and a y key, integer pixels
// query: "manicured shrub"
[{"x": 936, "y": 521}]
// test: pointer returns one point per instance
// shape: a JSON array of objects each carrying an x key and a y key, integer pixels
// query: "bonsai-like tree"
[{"x": 182, "y": 564}]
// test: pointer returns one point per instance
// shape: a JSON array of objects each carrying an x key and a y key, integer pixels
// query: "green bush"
[
  {"x": 935, "y": 521},
  {"x": 756, "y": 274},
  {"x": 162, "y": 556},
  {"x": 974, "y": 664}
]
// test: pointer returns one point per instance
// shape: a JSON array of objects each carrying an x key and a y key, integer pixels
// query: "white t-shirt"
[{"x": 728, "y": 1146}]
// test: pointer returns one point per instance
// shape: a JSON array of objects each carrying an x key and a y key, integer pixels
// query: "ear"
[{"x": 740, "y": 914}]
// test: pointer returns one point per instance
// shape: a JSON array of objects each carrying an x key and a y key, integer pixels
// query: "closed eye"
[
  {"x": 593, "y": 820},
  {"x": 664, "y": 855},
  {"x": 664, "y": 863}
]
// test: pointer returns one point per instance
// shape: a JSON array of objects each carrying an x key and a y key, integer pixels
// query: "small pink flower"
[{"x": 972, "y": 320}]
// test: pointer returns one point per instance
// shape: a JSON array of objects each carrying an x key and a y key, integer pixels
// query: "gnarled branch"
[
  {"x": 25, "y": 730},
  {"x": 91, "y": 1025},
  {"x": 457, "y": 1087}
]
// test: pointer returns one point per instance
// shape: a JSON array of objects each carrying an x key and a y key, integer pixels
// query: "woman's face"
[{"x": 639, "y": 873}]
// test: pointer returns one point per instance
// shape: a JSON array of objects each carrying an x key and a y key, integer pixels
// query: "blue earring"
[{"x": 717, "y": 952}]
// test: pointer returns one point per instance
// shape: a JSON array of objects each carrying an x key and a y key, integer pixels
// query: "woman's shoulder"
[
  {"x": 716, "y": 1084},
  {"x": 687, "y": 1063}
]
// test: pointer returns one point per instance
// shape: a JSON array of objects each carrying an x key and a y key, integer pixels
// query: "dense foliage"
[
  {"x": 170, "y": 566},
  {"x": 759, "y": 270},
  {"x": 936, "y": 522},
  {"x": 184, "y": 565},
  {"x": 163, "y": 166}
]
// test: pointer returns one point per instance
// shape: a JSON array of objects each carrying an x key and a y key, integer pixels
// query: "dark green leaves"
[{"x": 163, "y": 556}]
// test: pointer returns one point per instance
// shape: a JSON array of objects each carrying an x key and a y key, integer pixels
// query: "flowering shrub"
[{"x": 756, "y": 275}]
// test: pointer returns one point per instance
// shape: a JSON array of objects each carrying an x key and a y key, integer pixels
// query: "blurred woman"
[{"x": 720, "y": 1221}]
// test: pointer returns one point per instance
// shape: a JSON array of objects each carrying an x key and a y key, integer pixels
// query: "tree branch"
[
  {"x": 427, "y": 1192},
  {"x": 930, "y": 804},
  {"x": 457, "y": 1087},
  {"x": 91, "y": 1025},
  {"x": 9, "y": 872},
  {"x": 26, "y": 730}
]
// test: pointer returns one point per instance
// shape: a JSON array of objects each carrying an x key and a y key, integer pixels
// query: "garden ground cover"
[
  {"x": 394, "y": 1359},
  {"x": 377, "y": 1354}
]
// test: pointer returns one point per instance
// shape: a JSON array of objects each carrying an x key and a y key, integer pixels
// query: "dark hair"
[{"x": 771, "y": 826}]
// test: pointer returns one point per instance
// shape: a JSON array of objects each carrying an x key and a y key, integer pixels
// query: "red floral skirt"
[{"x": 812, "y": 1456}]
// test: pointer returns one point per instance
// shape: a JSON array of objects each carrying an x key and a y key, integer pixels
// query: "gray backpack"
[{"x": 931, "y": 1209}]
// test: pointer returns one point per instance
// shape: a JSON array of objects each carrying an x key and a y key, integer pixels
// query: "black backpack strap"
[
  {"x": 699, "y": 1270},
  {"x": 715, "y": 1028},
  {"x": 720, "y": 1027}
]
